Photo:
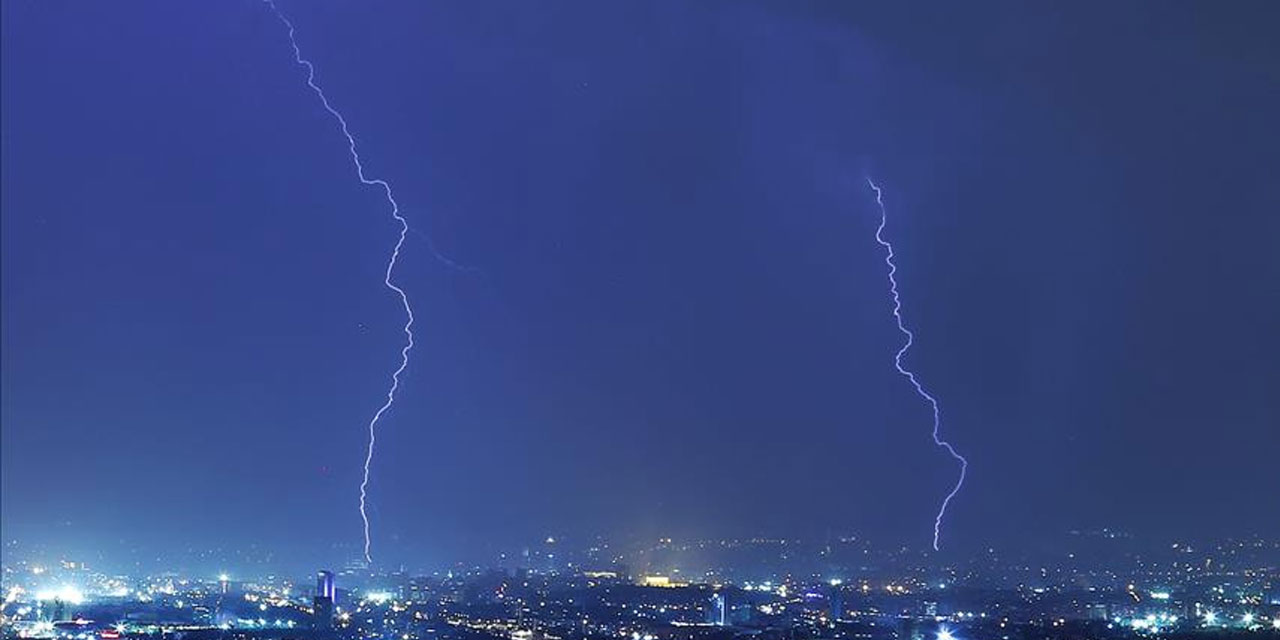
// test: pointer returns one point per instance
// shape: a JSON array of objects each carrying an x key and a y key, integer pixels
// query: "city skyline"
[{"x": 1100, "y": 584}]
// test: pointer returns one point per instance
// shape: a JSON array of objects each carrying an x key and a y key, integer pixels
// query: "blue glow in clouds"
[{"x": 897, "y": 363}]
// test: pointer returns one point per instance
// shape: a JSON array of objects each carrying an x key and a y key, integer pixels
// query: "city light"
[
  {"x": 549, "y": 599},
  {"x": 64, "y": 593}
]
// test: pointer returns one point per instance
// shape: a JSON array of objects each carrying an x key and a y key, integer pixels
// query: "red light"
[{"x": 110, "y": 634}]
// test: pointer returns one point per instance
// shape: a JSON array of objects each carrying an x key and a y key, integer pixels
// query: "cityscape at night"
[
  {"x": 639, "y": 320},
  {"x": 1107, "y": 585}
]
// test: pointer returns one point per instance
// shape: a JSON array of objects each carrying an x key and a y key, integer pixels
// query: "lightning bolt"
[
  {"x": 391, "y": 264},
  {"x": 897, "y": 363}
]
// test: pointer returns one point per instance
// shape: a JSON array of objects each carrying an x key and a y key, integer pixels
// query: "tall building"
[
  {"x": 323, "y": 602},
  {"x": 836, "y": 602},
  {"x": 716, "y": 613},
  {"x": 324, "y": 585}
]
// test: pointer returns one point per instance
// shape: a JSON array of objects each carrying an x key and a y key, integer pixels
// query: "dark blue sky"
[{"x": 680, "y": 325}]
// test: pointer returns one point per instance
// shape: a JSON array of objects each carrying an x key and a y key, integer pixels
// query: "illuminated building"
[
  {"x": 324, "y": 585},
  {"x": 716, "y": 613},
  {"x": 323, "y": 601}
]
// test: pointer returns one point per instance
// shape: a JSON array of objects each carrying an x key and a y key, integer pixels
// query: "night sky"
[{"x": 678, "y": 323}]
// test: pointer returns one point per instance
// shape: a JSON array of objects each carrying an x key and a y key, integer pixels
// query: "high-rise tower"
[{"x": 323, "y": 602}]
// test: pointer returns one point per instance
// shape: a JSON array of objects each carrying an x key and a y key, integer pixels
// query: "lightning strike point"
[{"x": 897, "y": 363}]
